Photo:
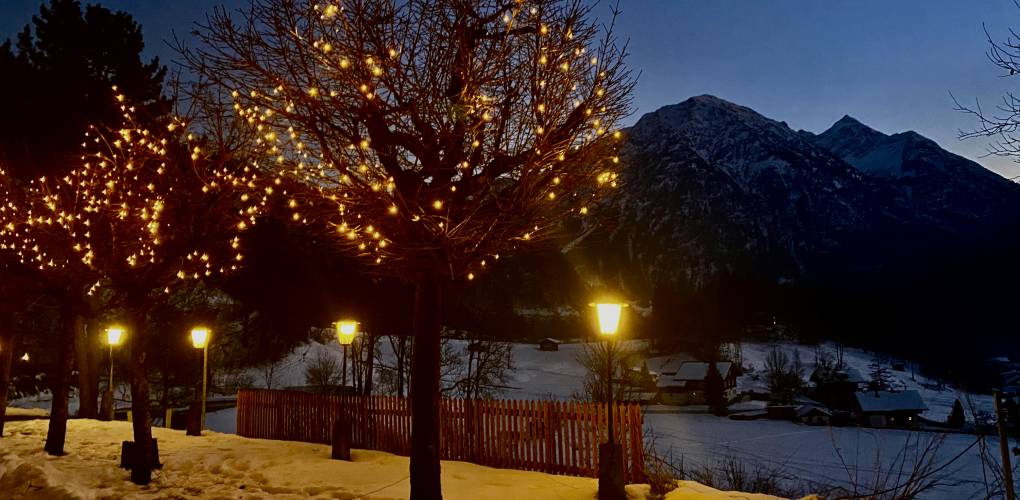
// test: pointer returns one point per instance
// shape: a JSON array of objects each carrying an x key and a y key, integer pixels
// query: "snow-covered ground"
[
  {"x": 830, "y": 456},
  {"x": 810, "y": 453},
  {"x": 218, "y": 466}
]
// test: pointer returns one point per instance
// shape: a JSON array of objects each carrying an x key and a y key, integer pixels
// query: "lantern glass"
[
  {"x": 345, "y": 331},
  {"x": 609, "y": 317},
  {"x": 114, "y": 335},
  {"x": 199, "y": 337}
]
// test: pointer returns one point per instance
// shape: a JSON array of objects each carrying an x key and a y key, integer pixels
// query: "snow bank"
[
  {"x": 226, "y": 466},
  {"x": 27, "y": 412}
]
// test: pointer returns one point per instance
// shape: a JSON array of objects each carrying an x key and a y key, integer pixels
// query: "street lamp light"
[
  {"x": 610, "y": 453},
  {"x": 346, "y": 330},
  {"x": 200, "y": 339},
  {"x": 114, "y": 337}
]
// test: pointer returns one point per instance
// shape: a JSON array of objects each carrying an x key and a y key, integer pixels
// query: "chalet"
[
  {"x": 836, "y": 388},
  {"x": 813, "y": 415},
  {"x": 687, "y": 384},
  {"x": 889, "y": 409},
  {"x": 548, "y": 344}
]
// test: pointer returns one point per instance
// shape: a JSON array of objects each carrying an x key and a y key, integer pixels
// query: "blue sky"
[{"x": 890, "y": 64}]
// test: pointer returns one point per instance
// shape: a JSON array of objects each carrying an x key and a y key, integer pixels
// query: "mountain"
[
  {"x": 714, "y": 187},
  {"x": 949, "y": 189}
]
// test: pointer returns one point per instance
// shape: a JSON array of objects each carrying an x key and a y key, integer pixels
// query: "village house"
[
  {"x": 813, "y": 415},
  {"x": 836, "y": 388},
  {"x": 889, "y": 409},
  {"x": 687, "y": 384},
  {"x": 548, "y": 344}
]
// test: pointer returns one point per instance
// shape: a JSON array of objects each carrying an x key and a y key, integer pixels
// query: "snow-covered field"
[
  {"x": 829, "y": 456},
  {"x": 219, "y": 466}
]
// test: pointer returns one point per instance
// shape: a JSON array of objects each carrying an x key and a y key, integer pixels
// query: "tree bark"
[
  {"x": 61, "y": 385},
  {"x": 88, "y": 387},
  {"x": 425, "y": 471},
  {"x": 6, "y": 358},
  {"x": 370, "y": 364},
  {"x": 141, "y": 461}
]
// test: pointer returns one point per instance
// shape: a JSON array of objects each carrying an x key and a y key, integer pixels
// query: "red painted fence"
[{"x": 558, "y": 437}]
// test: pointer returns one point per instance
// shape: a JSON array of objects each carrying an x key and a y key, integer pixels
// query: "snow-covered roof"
[
  {"x": 698, "y": 370},
  {"x": 884, "y": 401},
  {"x": 806, "y": 409},
  {"x": 668, "y": 365},
  {"x": 550, "y": 339}
]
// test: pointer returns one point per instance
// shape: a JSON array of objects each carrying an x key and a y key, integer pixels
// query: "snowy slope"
[{"x": 940, "y": 403}]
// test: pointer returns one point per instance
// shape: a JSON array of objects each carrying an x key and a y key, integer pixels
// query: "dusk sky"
[{"x": 892, "y": 65}]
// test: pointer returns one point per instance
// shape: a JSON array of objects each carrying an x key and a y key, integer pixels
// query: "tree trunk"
[
  {"x": 85, "y": 355},
  {"x": 401, "y": 361},
  {"x": 141, "y": 464},
  {"x": 6, "y": 358},
  {"x": 70, "y": 323},
  {"x": 370, "y": 364},
  {"x": 425, "y": 481}
]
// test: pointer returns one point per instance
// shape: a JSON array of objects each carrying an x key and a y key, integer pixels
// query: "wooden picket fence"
[{"x": 558, "y": 437}]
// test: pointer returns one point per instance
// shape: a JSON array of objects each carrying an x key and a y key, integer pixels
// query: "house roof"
[
  {"x": 668, "y": 365},
  {"x": 847, "y": 374},
  {"x": 885, "y": 401},
  {"x": 548, "y": 339},
  {"x": 804, "y": 410},
  {"x": 698, "y": 370}
]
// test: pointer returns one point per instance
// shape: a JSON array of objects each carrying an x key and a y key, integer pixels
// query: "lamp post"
[
  {"x": 346, "y": 330},
  {"x": 114, "y": 337},
  {"x": 610, "y": 454},
  {"x": 200, "y": 340}
]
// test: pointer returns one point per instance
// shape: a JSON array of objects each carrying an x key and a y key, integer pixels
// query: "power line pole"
[{"x": 1007, "y": 467}]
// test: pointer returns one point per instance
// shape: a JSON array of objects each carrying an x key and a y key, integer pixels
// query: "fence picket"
[{"x": 549, "y": 436}]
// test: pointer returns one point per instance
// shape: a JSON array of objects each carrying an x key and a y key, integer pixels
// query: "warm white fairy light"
[{"x": 359, "y": 141}]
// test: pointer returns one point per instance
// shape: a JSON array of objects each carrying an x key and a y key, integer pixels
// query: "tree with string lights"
[
  {"x": 146, "y": 210},
  {"x": 430, "y": 137},
  {"x": 33, "y": 253}
]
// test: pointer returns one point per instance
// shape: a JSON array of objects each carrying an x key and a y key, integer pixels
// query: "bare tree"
[
  {"x": 1001, "y": 122},
  {"x": 594, "y": 356},
  {"x": 487, "y": 369},
  {"x": 428, "y": 136}
]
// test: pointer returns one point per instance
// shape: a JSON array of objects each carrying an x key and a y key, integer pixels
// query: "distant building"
[
  {"x": 686, "y": 385},
  {"x": 813, "y": 415},
  {"x": 548, "y": 345},
  {"x": 889, "y": 409},
  {"x": 781, "y": 412},
  {"x": 836, "y": 388}
]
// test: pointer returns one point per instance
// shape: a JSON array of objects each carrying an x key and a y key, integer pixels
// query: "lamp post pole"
[
  {"x": 611, "y": 482},
  {"x": 109, "y": 382},
  {"x": 343, "y": 369},
  {"x": 205, "y": 381},
  {"x": 114, "y": 336},
  {"x": 610, "y": 397},
  {"x": 200, "y": 337}
]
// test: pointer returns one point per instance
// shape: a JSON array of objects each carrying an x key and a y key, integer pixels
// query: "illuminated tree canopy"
[{"x": 426, "y": 135}]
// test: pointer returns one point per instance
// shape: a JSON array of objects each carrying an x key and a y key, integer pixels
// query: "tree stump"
[
  {"x": 127, "y": 455},
  {"x": 342, "y": 439}
]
